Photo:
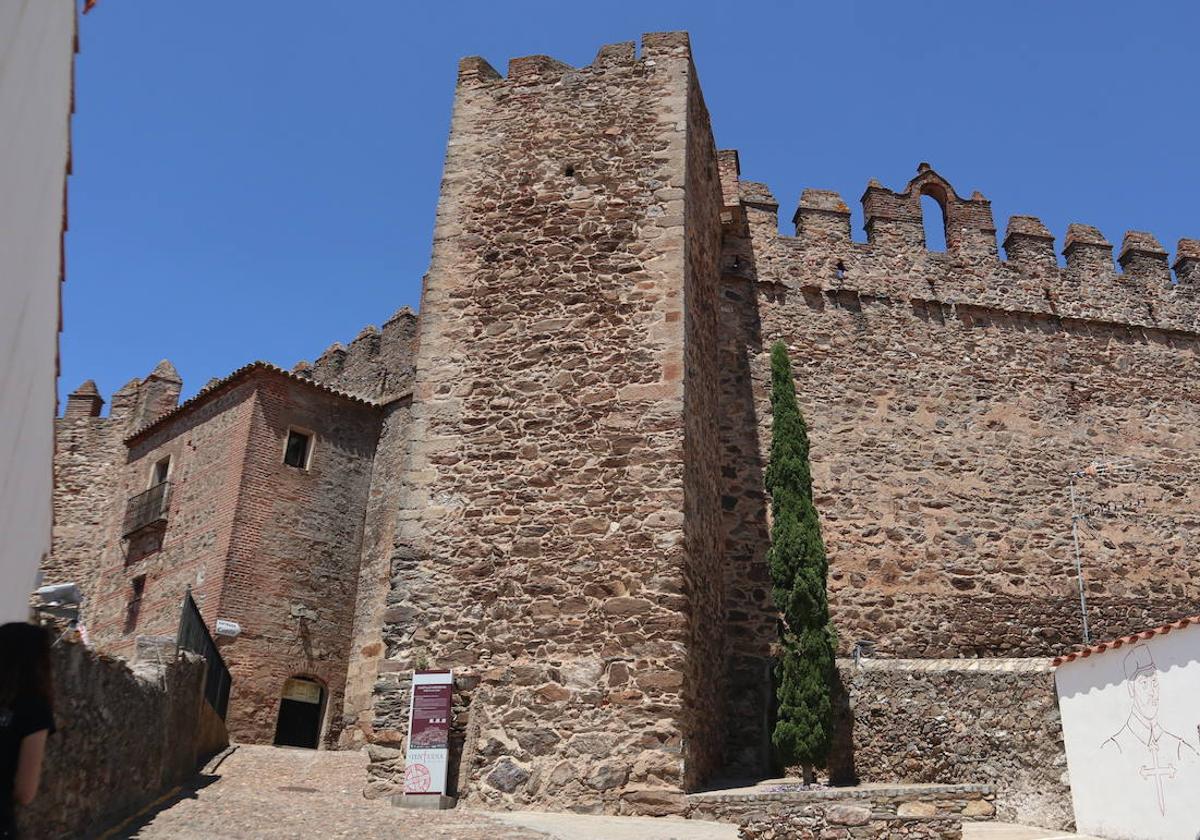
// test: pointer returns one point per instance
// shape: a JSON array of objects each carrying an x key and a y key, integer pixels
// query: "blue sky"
[{"x": 257, "y": 178}]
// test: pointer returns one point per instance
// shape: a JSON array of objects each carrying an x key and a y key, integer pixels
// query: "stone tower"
[{"x": 560, "y": 521}]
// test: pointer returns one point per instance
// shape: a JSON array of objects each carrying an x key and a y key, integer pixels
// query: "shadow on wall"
[
  {"x": 842, "y": 770},
  {"x": 753, "y": 627},
  {"x": 123, "y": 738},
  {"x": 751, "y": 619}
]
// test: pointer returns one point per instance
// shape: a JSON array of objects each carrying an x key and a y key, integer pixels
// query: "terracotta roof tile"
[
  {"x": 239, "y": 374},
  {"x": 1125, "y": 640}
]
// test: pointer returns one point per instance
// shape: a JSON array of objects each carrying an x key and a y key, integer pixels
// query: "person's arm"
[{"x": 29, "y": 766}]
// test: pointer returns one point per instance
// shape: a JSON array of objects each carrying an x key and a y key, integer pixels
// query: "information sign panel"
[{"x": 428, "y": 753}]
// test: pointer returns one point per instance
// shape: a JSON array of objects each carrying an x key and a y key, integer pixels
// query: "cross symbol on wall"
[{"x": 1157, "y": 771}]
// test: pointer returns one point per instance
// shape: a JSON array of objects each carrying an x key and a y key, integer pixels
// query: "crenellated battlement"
[
  {"x": 896, "y": 219},
  {"x": 377, "y": 364},
  {"x": 475, "y": 71},
  {"x": 949, "y": 396},
  {"x": 1137, "y": 290},
  {"x": 136, "y": 402}
]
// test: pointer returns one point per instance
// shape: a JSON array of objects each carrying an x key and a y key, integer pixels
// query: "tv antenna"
[{"x": 1093, "y": 469}]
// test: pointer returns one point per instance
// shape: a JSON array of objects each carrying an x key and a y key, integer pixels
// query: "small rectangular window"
[
  {"x": 136, "y": 587},
  {"x": 295, "y": 454},
  {"x": 161, "y": 470}
]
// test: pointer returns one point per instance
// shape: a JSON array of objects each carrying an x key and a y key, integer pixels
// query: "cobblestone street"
[{"x": 267, "y": 792}]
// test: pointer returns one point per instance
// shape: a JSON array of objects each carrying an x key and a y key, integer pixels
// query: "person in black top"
[{"x": 26, "y": 716}]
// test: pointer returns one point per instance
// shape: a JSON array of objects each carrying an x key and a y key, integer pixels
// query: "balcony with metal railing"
[{"x": 146, "y": 509}]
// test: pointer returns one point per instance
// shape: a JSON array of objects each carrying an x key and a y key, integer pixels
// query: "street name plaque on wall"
[{"x": 428, "y": 754}]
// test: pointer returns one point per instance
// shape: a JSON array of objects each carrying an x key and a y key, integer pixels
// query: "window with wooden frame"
[
  {"x": 297, "y": 452},
  {"x": 161, "y": 471}
]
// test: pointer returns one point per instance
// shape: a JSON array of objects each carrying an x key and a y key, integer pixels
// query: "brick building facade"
[
  {"x": 553, "y": 482},
  {"x": 253, "y": 494}
]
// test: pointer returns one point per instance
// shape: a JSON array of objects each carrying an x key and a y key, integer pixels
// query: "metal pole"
[{"x": 1087, "y": 637}]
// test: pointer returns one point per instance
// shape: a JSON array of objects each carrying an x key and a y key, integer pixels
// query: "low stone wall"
[
  {"x": 985, "y": 721},
  {"x": 882, "y": 802},
  {"x": 124, "y": 736},
  {"x": 842, "y": 822}
]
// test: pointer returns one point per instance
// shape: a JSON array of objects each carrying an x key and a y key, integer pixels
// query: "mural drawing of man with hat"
[{"x": 1153, "y": 752}]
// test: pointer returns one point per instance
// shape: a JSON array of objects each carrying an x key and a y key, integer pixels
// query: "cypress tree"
[{"x": 804, "y": 720}]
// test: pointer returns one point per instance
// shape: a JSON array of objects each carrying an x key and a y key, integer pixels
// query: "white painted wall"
[
  {"x": 1116, "y": 765},
  {"x": 36, "y": 55}
]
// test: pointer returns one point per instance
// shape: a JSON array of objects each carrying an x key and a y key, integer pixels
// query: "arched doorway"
[{"x": 300, "y": 712}]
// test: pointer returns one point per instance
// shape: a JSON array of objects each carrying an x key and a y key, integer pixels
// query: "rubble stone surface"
[
  {"x": 992, "y": 722},
  {"x": 845, "y": 822},
  {"x": 553, "y": 480},
  {"x": 124, "y": 737}
]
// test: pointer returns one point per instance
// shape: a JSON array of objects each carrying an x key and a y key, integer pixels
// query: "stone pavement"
[
  {"x": 588, "y": 827},
  {"x": 269, "y": 792}
]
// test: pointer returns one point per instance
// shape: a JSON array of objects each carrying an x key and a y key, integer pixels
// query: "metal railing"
[
  {"x": 194, "y": 636},
  {"x": 146, "y": 508}
]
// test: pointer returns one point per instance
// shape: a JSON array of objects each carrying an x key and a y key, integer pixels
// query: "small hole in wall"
[
  {"x": 569, "y": 171},
  {"x": 840, "y": 271}
]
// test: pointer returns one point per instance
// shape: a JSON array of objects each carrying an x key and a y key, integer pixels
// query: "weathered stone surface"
[
  {"x": 843, "y": 822},
  {"x": 950, "y": 397},
  {"x": 274, "y": 547},
  {"x": 156, "y": 730},
  {"x": 559, "y": 520},
  {"x": 653, "y": 802},
  {"x": 555, "y": 485},
  {"x": 916, "y": 809},
  {"x": 877, "y": 801},
  {"x": 607, "y": 775},
  {"x": 993, "y": 722},
  {"x": 852, "y": 815},
  {"x": 372, "y": 612},
  {"x": 507, "y": 775},
  {"x": 980, "y": 808}
]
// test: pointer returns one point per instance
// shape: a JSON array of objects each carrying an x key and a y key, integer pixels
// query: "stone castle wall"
[
  {"x": 704, "y": 695},
  {"x": 565, "y": 502},
  {"x": 988, "y": 722},
  {"x": 88, "y": 451},
  {"x": 371, "y": 611},
  {"x": 542, "y": 526},
  {"x": 272, "y": 547},
  {"x": 377, "y": 365},
  {"x": 124, "y": 737},
  {"x": 950, "y": 397}
]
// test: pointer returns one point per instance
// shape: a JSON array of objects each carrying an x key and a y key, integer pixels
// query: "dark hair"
[{"x": 25, "y": 663}]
